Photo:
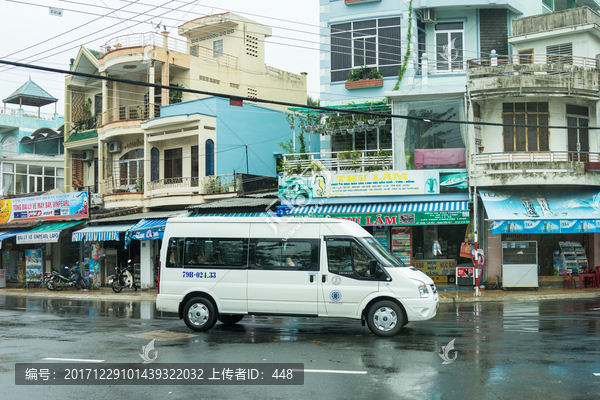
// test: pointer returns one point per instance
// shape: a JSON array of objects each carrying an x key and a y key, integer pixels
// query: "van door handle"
[
  {"x": 323, "y": 278},
  {"x": 312, "y": 278}
]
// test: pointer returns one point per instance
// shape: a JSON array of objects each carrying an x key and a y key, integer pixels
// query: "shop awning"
[
  {"x": 10, "y": 233},
  {"x": 256, "y": 214},
  {"x": 146, "y": 229},
  {"x": 46, "y": 233},
  {"x": 101, "y": 233},
  {"x": 527, "y": 210},
  {"x": 421, "y": 213}
]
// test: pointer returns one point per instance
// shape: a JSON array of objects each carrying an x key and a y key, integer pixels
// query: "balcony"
[
  {"x": 543, "y": 74},
  {"x": 136, "y": 112},
  {"x": 341, "y": 161},
  {"x": 537, "y": 24},
  {"x": 536, "y": 168}
]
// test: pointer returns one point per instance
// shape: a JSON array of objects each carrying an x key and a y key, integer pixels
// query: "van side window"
[
  {"x": 295, "y": 255},
  {"x": 215, "y": 252},
  {"x": 347, "y": 258},
  {"x": 174, "y": 252}
]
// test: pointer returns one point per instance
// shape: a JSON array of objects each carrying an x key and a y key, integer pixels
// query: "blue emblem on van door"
[{"x": 335, "y": 295}]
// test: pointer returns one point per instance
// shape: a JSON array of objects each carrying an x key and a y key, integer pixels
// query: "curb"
[
  {"x": 569, "y": 296},
  {"x": 83, "y": 295}
]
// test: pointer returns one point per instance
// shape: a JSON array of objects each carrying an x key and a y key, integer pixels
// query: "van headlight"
[{"x": 423, "y": 292}]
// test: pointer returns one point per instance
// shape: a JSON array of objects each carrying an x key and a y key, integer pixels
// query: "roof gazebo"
[{"x": 30, "y": 94}]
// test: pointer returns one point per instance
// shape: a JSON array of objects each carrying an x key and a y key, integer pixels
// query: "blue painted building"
[{"x": 31, "y": 143}]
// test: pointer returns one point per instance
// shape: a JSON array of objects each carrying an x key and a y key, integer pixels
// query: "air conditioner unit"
[
  {"x": 114, "y": 147},
  {"x": 428, "y": 15},
  {"x": 96, "y": 199},
  {"x": 87, "y": 155}
]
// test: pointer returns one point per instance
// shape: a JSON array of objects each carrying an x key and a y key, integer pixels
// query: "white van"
[{"x": 225, "y": 267}]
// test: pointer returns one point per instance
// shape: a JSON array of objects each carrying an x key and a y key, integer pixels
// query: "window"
[
  {"x": 346, "y": 257},
  {"x": 520, "y": 138},
  {"x": 131, "y": 167},
  {"x": 367, "y": 137},
  {"x": 449, "y": 47},
  {"x": 154, "y": 164},
  {"x": 373, "y": 43},
  {"x": 173, "y": 163},
  {"x": 10, "y": 146},
  {"x": 293, "y": 255},
  {"x": 578, "y": 140},
  {"x": 560, "y": 53},
  {"x": 209, "y": 157},
  {"x": 214, "y": 252},
  {"x": 195, "y": 164},
  {"x": 174, "y": 253},
  {"x": 218, "y": 48}
]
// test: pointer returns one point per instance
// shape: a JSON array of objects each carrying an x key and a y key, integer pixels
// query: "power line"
[{"x": 283, "y": 103}]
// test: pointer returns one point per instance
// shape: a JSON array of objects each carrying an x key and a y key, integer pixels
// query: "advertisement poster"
[
  {"x": 21, "y": 271},
  {"x": 381, "y": 234},
  {"x": 55, "y": 206},
  {"x": 33, "y": 265}
]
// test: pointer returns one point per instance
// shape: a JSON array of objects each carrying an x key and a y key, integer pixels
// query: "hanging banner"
[
  {"x": 38, "y": 237},
  {"x": 545, "y": 226},
  {"x": 49, "y": 207},
  {"x": 415, "y": 218}
]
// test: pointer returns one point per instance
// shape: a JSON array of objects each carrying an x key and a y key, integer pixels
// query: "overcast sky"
[{"x": 32, "y": 35}]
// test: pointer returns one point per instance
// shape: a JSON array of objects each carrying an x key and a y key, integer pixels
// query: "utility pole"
[{"x": 247, "y": 160}]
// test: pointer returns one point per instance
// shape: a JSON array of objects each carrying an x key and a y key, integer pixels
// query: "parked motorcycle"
[
  {"x": 123, "y": 279},
  {"x": 58, "y": 282}
]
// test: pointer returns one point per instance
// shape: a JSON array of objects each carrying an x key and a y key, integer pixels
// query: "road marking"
[
  {"x": 71, "y": 359},
  {"x": 333, "y": 371}
]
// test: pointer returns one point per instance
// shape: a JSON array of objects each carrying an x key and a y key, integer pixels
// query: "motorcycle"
[
  {"x": 58, "y": 282},
  {"x": 123, "y": 279}
]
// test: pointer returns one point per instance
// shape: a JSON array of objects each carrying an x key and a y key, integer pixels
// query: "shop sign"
[
  {"x": 379, "y": 183},
  {"x": 435, "y": 267},
  {"x": 545, "y": 226},
  {"x": 149, "y": 234},
  {"x": 48, "y": 207},
  {"x": 38, "y": 237},
  {"x": 413, "y": 218}
]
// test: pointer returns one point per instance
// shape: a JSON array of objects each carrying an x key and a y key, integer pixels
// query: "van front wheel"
[
  {"x": 385, "y": 318},
  {"x": 199, "y": 314}
]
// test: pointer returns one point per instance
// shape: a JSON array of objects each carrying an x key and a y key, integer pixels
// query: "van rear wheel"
[
  {"x": 385, "y": 318},
  {"x": 199, "y": 314},
  {"x": 230, "y": 319}
]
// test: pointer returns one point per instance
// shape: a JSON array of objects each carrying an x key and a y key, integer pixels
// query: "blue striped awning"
[
  {"x": 146, "y": 229},
  {"x": 256, "y": 214},
  {"x": 8, "y": 234},
  {"x": 381, "y": 208},
  {"x": 102, "y": 233}
]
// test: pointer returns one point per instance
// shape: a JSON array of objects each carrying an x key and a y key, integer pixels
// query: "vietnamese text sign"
[
  {"x": 413, "y": 218},
  {"x": 435, "y": 267},
  {"x": 38, "y": 237},
  {"x": 48, "y": 207}
]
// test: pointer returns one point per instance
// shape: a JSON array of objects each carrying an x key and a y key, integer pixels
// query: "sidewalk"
[{"x": 446, "y": 296}]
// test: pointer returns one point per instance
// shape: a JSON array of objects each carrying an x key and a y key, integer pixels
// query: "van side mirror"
[{"x": 373, "y": 267}]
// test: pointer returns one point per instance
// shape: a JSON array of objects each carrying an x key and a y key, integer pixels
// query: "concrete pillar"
[
  {"x": 493, "y": 253},
  {"x": 151, "y": 78},
  {"x": 165, "y": 72},
  {"x": 494, "y": 58},
  {"x": 594, "y": 250},
  {"x": 146, "y": 272}
]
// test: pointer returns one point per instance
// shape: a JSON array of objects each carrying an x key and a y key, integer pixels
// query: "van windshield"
[{"x": 382, "y": 252}]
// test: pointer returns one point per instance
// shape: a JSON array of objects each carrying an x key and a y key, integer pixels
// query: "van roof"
[{"x": 255, "y": 220}]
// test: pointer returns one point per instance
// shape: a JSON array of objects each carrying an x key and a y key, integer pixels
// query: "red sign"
[{"x": 464, "y": 271}]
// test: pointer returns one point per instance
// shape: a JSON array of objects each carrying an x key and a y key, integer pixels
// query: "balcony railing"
[
  {"x": 128, "y": 113},
  {"x": 362, "y": 160},
  {"x": 541, "y": 156},
  {"x": 536, "y": 59},
  {"x": 173, "y": 44},
  {"x": 14, "y": 111},
  {"x": 173, "y": 183}
]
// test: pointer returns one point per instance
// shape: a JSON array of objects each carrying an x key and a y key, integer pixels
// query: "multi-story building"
[
  {"x": 536, "y": 165},
  {"x": 155, "y": 152},
  {"x": 430, "y": 60}
]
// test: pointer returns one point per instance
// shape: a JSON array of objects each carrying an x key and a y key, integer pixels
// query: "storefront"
[
  {"x": 555, "y": 227},
  {"x": 36, "y": 246}
]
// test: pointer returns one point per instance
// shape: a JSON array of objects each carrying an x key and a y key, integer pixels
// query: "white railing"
[
  {"x": 363, "y": 160},
  {"x": 14, "y": 112},
  {"x": 528, "y": 59},
  {"x": 541, "y": 156}
]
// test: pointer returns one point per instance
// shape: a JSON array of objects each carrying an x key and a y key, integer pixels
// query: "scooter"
[
  {"x": 58, "y": 282},
  {"x": 123, "y": 279}
]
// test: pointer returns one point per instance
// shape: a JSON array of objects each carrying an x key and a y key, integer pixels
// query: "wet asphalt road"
[{"x": 528, "y": 350}]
